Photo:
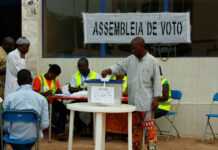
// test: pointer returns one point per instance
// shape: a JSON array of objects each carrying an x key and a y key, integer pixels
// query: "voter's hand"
[{"x": 106, "y": 72}]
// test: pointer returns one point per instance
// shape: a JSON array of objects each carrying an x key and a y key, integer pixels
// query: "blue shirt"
[{"x": 26, "y": 98}]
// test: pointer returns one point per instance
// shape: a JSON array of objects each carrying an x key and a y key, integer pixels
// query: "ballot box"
[{"x": 104, "y": 92}]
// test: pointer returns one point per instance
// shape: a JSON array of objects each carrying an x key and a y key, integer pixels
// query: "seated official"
[
  {"x": 83, "y": 120},
  {"x": 124, "y": 78},
  {"x": 22, "y": 99},
  {"x": 165, "y": 100},
  {"x": 84, "y": 73},
  {"x": 47, "y": 84}
]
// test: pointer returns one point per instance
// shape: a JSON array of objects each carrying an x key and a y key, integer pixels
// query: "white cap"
[
  {"x": 1, "y": 100},
  {"x": 22, "y": 40}
]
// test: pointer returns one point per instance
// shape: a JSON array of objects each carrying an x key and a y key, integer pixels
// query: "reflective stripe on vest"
[
  {"x": 78, "y": 77},
  {"x": 44, "y": 85},
  {"x": 124, "y": 84},
  {"x": 167, "y": 104}
]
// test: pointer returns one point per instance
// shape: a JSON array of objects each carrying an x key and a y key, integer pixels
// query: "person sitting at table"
[
  {"x": 78, "y": 84},
  {"x": 47, "y": 85},
  {"x": 123, "y": 77},
  {"x": 164, "y": 102},
  {"x": 113, "y": 127},
  {"x": 83, "y": 73}
]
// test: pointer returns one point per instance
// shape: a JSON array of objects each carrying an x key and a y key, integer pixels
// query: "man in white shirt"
[{"x": 16, "y": 61}]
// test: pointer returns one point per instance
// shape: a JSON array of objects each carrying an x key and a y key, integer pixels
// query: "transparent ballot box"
[{"x": 104, "y": 93}]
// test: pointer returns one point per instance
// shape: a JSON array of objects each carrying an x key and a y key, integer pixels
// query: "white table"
[{"x": 100, "y": 113}]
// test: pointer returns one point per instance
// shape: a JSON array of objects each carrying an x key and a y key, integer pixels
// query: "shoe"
[
  {"x": 61, "y": 137},
  {"x": 108, "y": 138},
  {"x": 152, "y": 146},
  {"x": 86, "y": 132}
]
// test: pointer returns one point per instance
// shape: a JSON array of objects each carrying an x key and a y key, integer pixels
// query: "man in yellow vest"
[
  {"x": 124, "y": 78},
  {"x": 84, "y": 73},
  {"x": 165, "y": 100},
  {"x": 78, "y": 84},
  {"x": 47, "y": 84}
]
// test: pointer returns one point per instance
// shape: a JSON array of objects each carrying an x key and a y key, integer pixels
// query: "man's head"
[
  {"x": 53, "y": 71},
  {"x": 24, "y": 77},
  {"x": 23, "y": 45},
  {"x": 8, "y": 44},
  {"x": 138, "y": 47},
  {"x": 83, "y": 66}
]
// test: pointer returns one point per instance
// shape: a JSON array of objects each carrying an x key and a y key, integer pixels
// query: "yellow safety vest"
[
  {"x": 78, "y": 77},
  {"x": 44, "y": 85},
  {"x": 167, "y": 104},
  {"x": 124, "y": 84}
]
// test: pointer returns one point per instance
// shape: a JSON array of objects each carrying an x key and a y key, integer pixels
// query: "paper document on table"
[
  {"x": 80, "y": 94},
  {"x": 60, "y": 94},
  {"x": 103, "y": 95}
]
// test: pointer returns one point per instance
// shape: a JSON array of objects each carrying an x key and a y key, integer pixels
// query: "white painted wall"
[{"x": 196, "y": 77}]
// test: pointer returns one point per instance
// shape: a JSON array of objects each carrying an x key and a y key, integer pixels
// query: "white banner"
[{"x": 123, "y": 27}]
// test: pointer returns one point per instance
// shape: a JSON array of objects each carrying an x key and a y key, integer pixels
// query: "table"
[
  {"x": 51, "y": 99},
  {"x": 100, "y": 113}
]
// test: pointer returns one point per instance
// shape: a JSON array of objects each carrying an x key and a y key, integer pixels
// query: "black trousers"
[
  {"x": 22, "y": 146},
  {"x": 59, "y": 117},
  {"x": 159, "y": 113}
]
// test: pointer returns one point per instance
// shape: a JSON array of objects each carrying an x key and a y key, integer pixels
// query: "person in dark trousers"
[
  {"x": 47, "y": 85},
  {"x": 164, "y": 101}
]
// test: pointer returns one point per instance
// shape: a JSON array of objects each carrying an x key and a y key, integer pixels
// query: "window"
[{"x": 63, "y": 27}]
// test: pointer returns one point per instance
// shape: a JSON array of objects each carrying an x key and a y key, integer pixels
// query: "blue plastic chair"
[
  {"x": 211, "y": 116},
  {"x": 176, "y": 95},
  {"x": 25, "y": 116}
]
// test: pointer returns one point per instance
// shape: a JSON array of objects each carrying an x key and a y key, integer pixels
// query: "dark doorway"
[{"x": 10, "y": 16}]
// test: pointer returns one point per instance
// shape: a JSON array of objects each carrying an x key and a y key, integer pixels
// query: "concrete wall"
[{"x": 196, "y": 77}]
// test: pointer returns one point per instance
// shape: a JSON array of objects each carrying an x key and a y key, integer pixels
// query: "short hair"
[
  {"x": 138, "y": 40},
  {"x": 8, "y": 39},
  {"x": 24, "y": 77},
  {"x": 83, "y": 60},
  {"x": 54, "y": 68}
]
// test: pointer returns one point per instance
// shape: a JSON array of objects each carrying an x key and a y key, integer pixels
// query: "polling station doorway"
[{"x": 10, "y": 14}]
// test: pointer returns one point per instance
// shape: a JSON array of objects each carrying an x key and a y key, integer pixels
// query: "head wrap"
[{"x": 22, "y": 40}]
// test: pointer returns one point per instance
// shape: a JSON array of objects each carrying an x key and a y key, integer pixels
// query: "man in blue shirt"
[{"x": 25, "y": 98}]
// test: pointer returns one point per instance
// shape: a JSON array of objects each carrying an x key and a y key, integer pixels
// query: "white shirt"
[
  {"x": 14, "y": 64},
  {"x": 143, "y": 80}
]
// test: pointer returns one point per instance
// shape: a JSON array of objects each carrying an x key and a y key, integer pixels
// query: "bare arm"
[{"x": 119, "y": 67}]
